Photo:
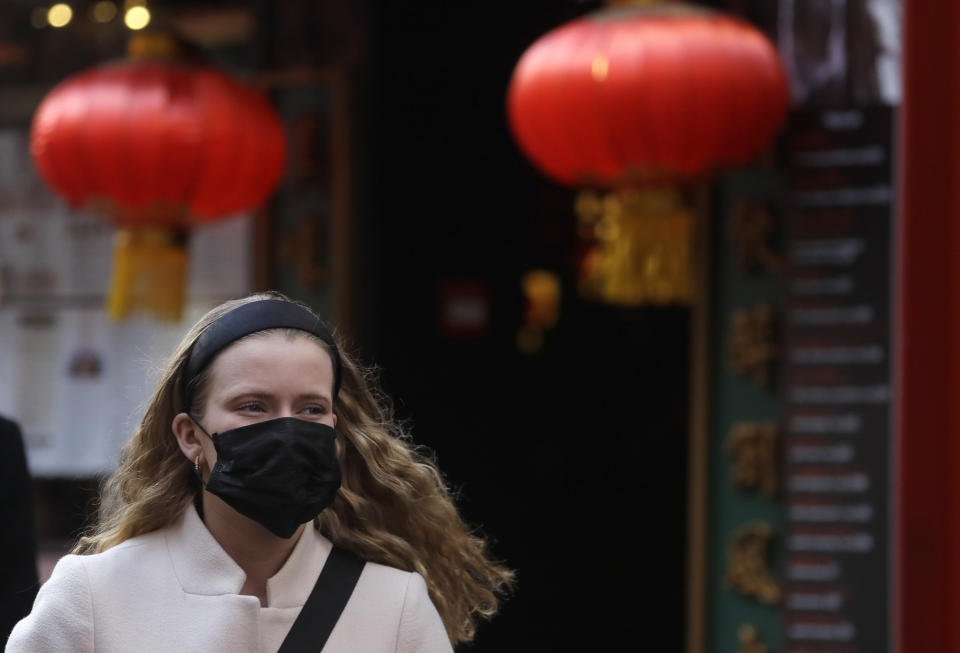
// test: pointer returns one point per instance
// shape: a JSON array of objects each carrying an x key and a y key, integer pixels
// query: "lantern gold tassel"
[
  {"x": 638, "y": 247},
  {"x": 149, "y": 273}
]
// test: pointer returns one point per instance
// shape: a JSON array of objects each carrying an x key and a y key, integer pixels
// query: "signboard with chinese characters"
[
  {"x": 745, "y": 534},
  {"x": 837, "y": 380}
]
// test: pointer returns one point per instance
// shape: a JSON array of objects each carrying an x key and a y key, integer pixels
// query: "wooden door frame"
[{"x": 926, "y": 561}]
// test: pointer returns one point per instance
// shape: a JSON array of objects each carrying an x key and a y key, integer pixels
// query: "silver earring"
[{"x": 196, "y": 465}]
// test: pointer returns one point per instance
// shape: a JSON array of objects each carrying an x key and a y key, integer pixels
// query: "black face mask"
[{"x": 280, "y": 473}]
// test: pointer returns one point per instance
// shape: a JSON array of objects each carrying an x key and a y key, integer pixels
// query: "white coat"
[{"x": 176, "y": 589}]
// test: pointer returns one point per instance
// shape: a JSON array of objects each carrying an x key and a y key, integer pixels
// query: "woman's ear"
[{"x": 188, "y": 436}]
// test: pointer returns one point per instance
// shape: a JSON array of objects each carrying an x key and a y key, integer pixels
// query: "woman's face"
[{"x": 264, "y": 377}]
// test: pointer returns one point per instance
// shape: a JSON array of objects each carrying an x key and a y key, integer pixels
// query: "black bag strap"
[{"x": 330, "y": 594}]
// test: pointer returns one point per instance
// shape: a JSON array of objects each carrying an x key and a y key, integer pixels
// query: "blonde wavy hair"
[{"x": 393, "y": 506}]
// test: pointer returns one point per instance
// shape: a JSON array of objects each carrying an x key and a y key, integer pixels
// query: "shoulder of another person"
[{"x": 10, "y": 433}]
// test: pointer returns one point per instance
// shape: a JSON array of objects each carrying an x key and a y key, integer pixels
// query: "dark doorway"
[{"x": 573, "y": 459}]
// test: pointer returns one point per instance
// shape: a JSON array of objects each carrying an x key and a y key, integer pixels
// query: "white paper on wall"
[{"x": 77, "y": 382}]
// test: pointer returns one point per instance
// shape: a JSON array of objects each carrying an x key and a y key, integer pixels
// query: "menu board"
[{"x": 837, "y": 380}]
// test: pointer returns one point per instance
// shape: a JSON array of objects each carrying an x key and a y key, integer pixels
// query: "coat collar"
[{"x": 203, "y": 567}]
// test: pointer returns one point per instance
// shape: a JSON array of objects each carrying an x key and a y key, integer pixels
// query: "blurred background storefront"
[{"x": 712, "y": 470}]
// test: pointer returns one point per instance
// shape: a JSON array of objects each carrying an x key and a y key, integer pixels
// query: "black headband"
[{"x": 251, "y": 318}]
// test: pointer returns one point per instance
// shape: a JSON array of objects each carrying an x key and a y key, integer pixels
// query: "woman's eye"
[
  {"x": 316, "y": 410},
  {"x": 252, "y": 408}
]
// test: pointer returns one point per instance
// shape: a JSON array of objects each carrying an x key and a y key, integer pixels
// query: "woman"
[{"x": 262, "y": 456}]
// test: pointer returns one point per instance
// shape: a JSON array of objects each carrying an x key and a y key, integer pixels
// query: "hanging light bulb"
[
  {"x": 137, "y": 17},
  {"x": 59, "y": 15}
]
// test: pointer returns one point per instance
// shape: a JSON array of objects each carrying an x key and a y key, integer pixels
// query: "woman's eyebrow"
[
  {"x": 314, "y": 395},
  {"x": 266, "y": 394},
  {"x": 239, "y": 393}
]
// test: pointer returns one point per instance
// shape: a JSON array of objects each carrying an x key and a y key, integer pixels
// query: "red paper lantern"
[
  {"x": 639, "y": 94},
  {"x": 153, "y": 143},
  {"x": 156, "y": 147}
]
